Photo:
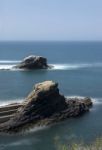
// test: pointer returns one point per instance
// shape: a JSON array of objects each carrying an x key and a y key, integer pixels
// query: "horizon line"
[{"x": 50, "y": 40}]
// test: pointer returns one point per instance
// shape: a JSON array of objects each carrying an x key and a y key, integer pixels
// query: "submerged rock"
[
  {"x": 43, "y": 106},
  {"x": 33, "y": 62}
]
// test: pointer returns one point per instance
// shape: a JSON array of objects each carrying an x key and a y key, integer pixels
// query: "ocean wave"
[
  {"x": 19, "y": 143},
  {"x": 35, "y": 129},
  {"x": 9, "y": 61},
  {"x": 15, "y": 144},
  {"x": 7, "y": 67},
  {"x": 97, "y": 101},
  {"x": 10, "y": 65},
  {"x": 75, "y": 66},
  {"x": 75, "y": 96},
  {"x": 7, "y": 102},
  {"x": 63, "y": 67}
]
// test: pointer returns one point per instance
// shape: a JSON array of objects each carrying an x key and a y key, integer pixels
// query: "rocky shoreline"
[{"x": 43, "y": 106}]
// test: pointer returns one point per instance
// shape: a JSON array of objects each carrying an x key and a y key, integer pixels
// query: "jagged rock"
[
  {"x": 88, "y": 101},
  {"x": 43, "y": 106},
  {"x": 33, "y": 62}
]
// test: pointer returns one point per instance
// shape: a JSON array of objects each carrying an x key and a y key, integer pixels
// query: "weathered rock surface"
[
  {"x": 43, "y": 106},
  {"x": 33, "y": 62}
]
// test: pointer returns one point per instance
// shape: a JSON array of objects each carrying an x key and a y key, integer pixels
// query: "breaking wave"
[
  {"x": 36, "y": 129},
  {"x": 9, "y": 61},
  {"x": 97, "y": 101},
  {"x": 9, "y": 65},
  {"x": 7, "y": 102},
  {"x": 75, "y": 66}
]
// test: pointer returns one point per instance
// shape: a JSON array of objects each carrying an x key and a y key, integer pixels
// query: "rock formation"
[
  {"x": 43, "y": 106},
  {"x": 33, "y": 62}
]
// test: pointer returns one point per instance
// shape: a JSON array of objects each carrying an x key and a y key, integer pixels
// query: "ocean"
[{"x": 77, "y": 69}]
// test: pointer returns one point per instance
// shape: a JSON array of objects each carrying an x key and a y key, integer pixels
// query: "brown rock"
[{"x": 43, "y": 106}]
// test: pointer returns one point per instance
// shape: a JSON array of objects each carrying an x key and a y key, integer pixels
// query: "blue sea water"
[{"x": 77, "y": 69}]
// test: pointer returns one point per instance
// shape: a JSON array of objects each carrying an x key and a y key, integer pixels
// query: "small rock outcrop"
[
  {"x": 44, "y": 106},
  {"x": 33, "y": 62}
]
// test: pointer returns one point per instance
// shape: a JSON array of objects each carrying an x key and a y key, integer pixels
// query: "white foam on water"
[
  {"x": 15, "y": 143},
  {"x": 7, "y": 67},
  {"x": 20, "y": 142},
  {"x": 75, "y": 96},
  {"x": 63, "y": 67},
  {"x": 7, "y": 102},
  {"x": 74, "y": 66},
  {"x": 97, "y": 101},
  {"x": 35, "y": 129},
  {"x": 10, "y": 68},
  {"x": 9, "y": 61},
  {"x": 9, "y": 64}
]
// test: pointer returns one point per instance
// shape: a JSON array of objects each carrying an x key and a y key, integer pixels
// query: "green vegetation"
[{"x": 96, "y": 145}]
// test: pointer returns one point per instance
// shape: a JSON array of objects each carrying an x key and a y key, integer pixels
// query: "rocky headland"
[{"x": 43, "y": 106}]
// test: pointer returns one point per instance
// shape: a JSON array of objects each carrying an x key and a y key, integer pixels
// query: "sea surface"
[{"x": 77, "y": 69}]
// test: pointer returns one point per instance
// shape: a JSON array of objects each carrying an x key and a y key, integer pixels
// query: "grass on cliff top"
[{"x": 96, "y": 145}]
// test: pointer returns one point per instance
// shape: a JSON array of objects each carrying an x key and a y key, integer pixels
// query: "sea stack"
[
  {"x": 44, "y": 106},
  {"x": 33, "y": 62}
]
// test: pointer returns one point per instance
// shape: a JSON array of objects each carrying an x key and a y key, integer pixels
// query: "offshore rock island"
[
  {"x": 33, "y": 62},
  {"x": 43, "y": 106}
]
